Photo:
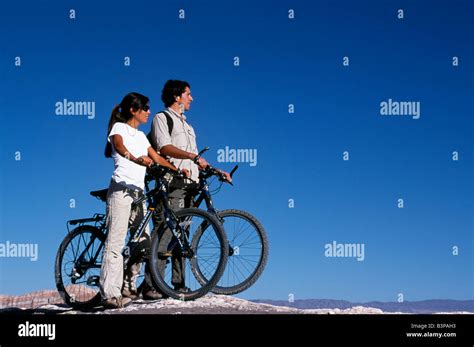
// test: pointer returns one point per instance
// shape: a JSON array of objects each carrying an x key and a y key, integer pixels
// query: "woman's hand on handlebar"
[
  {"x": 144, "y": 160},
  {"x": 186, "y": 173},
  {"x": 158, "y": 159}
]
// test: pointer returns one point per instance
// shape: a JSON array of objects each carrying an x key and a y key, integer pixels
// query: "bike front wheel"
[
  {"x": 173, "y": 267},
  {"x": 77, "y": 266},
  {"x": 247, "y": 252}
]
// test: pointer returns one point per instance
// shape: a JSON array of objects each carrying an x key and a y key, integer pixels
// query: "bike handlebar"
[
  {"x": 198, "y": 156},
  {"x": 205, "y": 149},
  {"x": 212, "y": 171},
  {"x": 233, "y": 170},
  {"x": 159, "y": 171}
]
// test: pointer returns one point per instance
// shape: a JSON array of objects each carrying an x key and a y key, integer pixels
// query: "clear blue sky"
[{"x": 282, "y": 61}]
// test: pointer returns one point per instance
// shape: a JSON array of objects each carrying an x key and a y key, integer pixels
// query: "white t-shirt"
[{"x": 126, "y": 171}]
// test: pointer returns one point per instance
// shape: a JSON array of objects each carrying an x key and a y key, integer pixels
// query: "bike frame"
[
  {"x": 204, "y": 194},
  {"x": 155, "y": 196},
  {"x": 158, "y": 194}
]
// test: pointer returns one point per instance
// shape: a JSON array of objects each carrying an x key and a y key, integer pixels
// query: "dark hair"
[
  {"x": 121, "y": 113},
  {"x": 171, "y": 89}
]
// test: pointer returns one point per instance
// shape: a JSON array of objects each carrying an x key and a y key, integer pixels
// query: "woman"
[{"x": 132, "y": 153}]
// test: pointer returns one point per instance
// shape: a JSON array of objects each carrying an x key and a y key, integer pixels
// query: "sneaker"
[
  {"x": 130, "y": 293},
  {"x": 152, "y": 294},
  {"x": 182, "y": 288},
  {"x": 117, "y": 302}
]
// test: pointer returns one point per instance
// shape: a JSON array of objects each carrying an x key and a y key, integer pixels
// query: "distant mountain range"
[{"x": 419, "y": 307}]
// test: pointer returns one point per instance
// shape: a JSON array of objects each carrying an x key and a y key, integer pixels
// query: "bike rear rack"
[{"x": 97, "y": 219}]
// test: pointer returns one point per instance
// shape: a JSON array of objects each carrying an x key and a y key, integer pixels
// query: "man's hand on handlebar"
[
  {"x": 199, "y": 160},
  {"x": 225, "y": 176},
  {"x": 208, "y": 170},
  {"x": 202, "y": 163}
]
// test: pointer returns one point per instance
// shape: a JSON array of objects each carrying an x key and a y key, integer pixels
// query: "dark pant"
[{"x": 179, "y": 197}]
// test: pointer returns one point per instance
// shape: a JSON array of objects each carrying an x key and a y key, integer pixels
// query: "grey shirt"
[{"x": 182, "y": 137}]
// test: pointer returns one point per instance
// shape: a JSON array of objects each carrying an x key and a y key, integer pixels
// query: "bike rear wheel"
[
  {"x": 248, "y": 252},
  {"x": 77, "y": 266},
  {"x": 209, "y": 255}
]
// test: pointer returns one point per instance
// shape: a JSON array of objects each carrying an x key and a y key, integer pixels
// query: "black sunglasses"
[{"x": 146, "y": 108}]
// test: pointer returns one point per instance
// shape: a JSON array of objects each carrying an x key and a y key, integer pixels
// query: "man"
[
  {"x": 174, "y": 138},
  {"x": 178, "y": 143}
]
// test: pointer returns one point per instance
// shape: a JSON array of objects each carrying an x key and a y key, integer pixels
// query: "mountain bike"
[
  {"x": 248, "y": 244},
  {"x": 79, "y": 257}
]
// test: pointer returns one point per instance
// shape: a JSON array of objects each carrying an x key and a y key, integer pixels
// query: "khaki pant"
[{"x": 121, "y": 217}]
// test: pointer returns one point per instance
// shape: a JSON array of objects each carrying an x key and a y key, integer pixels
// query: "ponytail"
[{"x": 114, "y": 118}]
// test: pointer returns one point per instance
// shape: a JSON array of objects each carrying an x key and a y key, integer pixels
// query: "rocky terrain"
[
  {"x": 30, "y": 300},
  {"x": 209, "y": 304},
  {"x": 49, "y": 302}
]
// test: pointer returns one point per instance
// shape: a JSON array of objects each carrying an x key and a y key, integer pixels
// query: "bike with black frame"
[
  {"x": 248, "y": 246},
  {"x": 79, "y": 257}
]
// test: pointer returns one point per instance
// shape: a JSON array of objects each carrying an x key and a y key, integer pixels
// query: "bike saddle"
[{"x": 100, "y": 194}]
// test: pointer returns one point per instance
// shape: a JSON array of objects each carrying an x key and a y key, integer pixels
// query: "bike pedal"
[
  {"x": 75, "y": 274},
  {"x": 93, "y": 281}
]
